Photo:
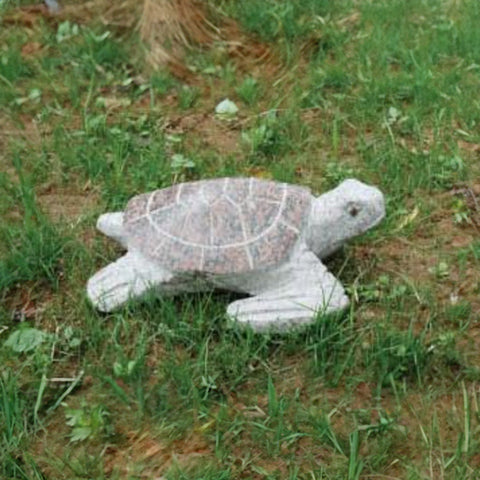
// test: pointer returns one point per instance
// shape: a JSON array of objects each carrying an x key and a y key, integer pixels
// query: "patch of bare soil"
[
  {"x": 56, "y": 203},
  {"x": 138, "y": 454},
  {"x": 31, "y": 49},
  {"x": 438, "y": 237},
  {"x": 60, "y": 204},
  {"x": 121, "y": 14},
  {"x": 431, "y": 260},
  {"x": 25, "y": 128},
  {"x": 473, "y": 148},
  {"x": 213, "y": 133},
  {"x": 26, "y": 16},
  {"x": 144, "y": 455},
  {"x": 448, "y": 411}
]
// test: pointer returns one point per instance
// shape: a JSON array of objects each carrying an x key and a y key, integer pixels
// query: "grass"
[{"x": 384, "y": 91}]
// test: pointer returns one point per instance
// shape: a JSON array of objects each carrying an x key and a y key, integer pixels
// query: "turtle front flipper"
[
  {"x": 129, "y": 277},
  {"x": 306, "y": 288}
]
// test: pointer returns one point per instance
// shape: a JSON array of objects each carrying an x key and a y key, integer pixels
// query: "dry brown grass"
[
  {"x": 122, "y": 14},
  {"x": 168, "y": 26}
]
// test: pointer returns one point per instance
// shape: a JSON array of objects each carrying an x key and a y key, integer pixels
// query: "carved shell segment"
[{"x": 227, "y": 225}]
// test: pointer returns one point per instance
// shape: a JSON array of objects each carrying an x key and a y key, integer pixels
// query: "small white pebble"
[{"x": 226, "y": 107}]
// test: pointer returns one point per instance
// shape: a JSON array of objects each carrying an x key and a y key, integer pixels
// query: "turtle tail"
[{"x": 111, "y": 225}]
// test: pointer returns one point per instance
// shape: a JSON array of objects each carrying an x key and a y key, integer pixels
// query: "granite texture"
[
  {"x": 218, "y": 226},
  {"x": 261, "y": 238}
]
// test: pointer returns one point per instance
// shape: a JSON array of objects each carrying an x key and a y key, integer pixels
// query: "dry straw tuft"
[{"x": 168, "y": 26}]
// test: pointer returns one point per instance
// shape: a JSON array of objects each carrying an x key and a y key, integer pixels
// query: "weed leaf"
[{"x": 25, "y": 340}]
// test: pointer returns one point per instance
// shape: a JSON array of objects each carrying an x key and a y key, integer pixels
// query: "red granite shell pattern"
[{"x": 226, "y": 225}]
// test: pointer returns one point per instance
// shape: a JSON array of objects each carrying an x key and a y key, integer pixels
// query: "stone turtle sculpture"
[{"x": 252, "y": 236}]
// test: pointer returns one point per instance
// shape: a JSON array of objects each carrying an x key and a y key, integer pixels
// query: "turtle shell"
[{"x": 226, "y": 225}]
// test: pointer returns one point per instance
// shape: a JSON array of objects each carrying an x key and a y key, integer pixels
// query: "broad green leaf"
[{"x": 25, "y": 339}]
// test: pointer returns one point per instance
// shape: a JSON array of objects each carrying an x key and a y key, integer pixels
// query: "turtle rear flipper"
[
  {"x": 129, "y": 277},
  {"x": 310, "y": 290}
]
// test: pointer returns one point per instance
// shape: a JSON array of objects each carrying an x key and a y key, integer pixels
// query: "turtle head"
[{"x": 345, "y": 212}]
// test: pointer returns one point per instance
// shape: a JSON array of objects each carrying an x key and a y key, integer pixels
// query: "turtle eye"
[{"x": 353, "y": 209}]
